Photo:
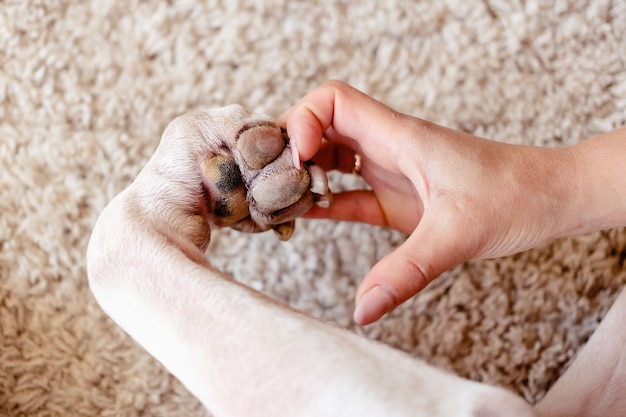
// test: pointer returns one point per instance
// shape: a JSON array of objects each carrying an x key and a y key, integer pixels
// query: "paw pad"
[
  {"x": 260, "y": 145},
  {"x": 228, "y": 193},
  {"x": 252, "y": 184},
  {"x": 279, "y": 185}
]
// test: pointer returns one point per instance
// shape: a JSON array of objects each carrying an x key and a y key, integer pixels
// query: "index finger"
[
  {"x": 332, "y": 156},
  {"x": 352, "y": 115}
]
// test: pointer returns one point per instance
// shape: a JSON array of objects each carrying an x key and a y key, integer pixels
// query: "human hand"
[
  {"x": 147, "y": 269},
  {"x": 458, "y": 196}
]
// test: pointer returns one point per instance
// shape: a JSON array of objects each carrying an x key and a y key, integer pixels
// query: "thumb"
[{"x": 426, "y": 254}]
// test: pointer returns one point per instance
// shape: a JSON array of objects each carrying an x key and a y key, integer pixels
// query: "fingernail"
[
  {"x": 372, "y": 305},
  {"x": 295, "y": 155}
]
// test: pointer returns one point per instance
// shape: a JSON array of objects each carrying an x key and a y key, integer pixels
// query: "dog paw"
[{"x": 252, "y": 184}]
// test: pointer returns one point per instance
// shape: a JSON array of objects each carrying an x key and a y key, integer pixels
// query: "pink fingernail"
[
  {"x": 372, "y": 305},
  {"x": 295, "y": 155}
]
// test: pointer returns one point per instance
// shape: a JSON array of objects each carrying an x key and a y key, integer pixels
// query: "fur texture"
[{"x": 87, "y": 89}]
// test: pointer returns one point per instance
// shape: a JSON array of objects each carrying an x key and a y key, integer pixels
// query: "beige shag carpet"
[{"x": 86, "y": 89}]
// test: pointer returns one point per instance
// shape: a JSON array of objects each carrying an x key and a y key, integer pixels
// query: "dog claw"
[
  {"x": 319, "y": 186},
  {"x": 324, "y": 201},
  {"x": 319, "y": 181},
  {"x": 284, "y": 230}
]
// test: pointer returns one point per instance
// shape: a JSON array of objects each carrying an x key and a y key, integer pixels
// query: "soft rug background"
[{"x": 86, "y": 89}]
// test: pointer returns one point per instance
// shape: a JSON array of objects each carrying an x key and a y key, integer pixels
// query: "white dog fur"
[{"x": 243, "y": 354}]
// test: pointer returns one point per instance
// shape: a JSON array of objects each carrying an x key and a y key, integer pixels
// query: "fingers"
[
  {"x": 306, "y": 125},
  {"x": 332, "y": 156},
  {"x": 426, "y": 254},
  {"x": 359, "y": 206},
  {"x": 352, "y": 117}
]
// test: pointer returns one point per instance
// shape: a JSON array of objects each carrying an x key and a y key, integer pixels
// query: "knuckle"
[
  {"x": 334, "y": 84},
  {"x": 421, "y": 273}
]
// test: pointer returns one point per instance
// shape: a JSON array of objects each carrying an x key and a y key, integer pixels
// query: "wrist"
[
  {"x": 568, "y": 207},
  {"x": 548, "y": 181},
  {"x": 598, "y": 183}
]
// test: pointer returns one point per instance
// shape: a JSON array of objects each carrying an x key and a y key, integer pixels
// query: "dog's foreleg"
[
  {"x": 242, "y": 354},
  {"x": 239, "y": 352}
]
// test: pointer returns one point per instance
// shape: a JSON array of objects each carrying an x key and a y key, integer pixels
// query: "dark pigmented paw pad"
[{"x": 226, "y": 189}]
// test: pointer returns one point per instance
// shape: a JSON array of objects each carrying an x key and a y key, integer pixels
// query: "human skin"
[
  {"x": 149, "y": 269},
  {"x": 456, "y": 195}
]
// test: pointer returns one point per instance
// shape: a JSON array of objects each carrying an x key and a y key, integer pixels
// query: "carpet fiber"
[{"x": 86, "y": 88}]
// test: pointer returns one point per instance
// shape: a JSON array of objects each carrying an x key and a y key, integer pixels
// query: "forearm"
[
  {"x": 598, "y": 184},
  {"x": 243, "y": 354}
]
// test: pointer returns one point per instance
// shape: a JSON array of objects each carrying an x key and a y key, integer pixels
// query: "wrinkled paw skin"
[{"x": 254, "y": 186}]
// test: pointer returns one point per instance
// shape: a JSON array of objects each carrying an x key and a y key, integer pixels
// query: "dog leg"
[
  {"x": 595, "y": 384},
  {"x": 239, "y": 352}
]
